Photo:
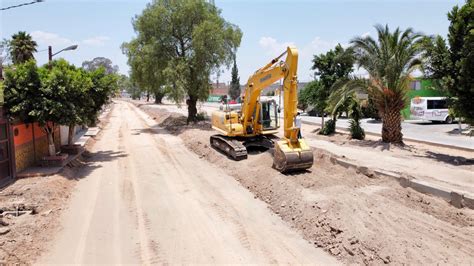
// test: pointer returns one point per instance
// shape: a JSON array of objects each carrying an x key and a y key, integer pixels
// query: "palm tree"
[
  {"x": 22, "y": 47},
  {"x": 390, "y": 60}
]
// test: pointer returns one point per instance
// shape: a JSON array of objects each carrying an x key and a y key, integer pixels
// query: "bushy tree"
[
  {"x": 146, "y": 69},
  {"x": 453, "y": 66},
  {"x": 21, "y": 47},
  {"x": 103, "y": 87},
  {"x": 330, "y": 67},
  {"x": 71, "y": 87},
  {"x": 60, "y": 94},
  {"x": 191, "y": 39},
  {"x": 99, "y": 62}
]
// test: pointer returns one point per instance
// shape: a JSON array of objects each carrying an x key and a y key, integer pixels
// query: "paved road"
[
  {"x": 148, "y": 200},
  {"x": 415, "y": 130}
]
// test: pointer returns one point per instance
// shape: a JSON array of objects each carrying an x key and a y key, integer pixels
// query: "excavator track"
[{"x": 231, "y": 147}]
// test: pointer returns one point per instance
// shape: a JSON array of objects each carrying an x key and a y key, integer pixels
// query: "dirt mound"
[{"x": 354, "y": 217}]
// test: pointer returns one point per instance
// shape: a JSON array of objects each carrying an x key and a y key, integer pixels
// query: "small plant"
[
  {"x": 329, "y": 128},
  {"x": 357, "y": 132},
  {"x": 355, "y": 113},
  {"x": 201, "y": 116}
]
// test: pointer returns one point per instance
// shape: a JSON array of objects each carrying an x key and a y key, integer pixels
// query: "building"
[{"x": 420, "y": 87}]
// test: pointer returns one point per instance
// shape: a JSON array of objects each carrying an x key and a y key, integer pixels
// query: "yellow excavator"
[{"x": 252, "y": 122}]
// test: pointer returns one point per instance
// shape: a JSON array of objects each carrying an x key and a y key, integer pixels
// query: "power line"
[{"x": 24, "y": 4}]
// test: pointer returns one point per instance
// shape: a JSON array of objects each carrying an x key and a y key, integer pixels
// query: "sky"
[{"x": 99, "y": 27}]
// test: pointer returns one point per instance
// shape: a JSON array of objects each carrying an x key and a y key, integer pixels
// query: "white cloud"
[
  {"x": 96, "y": 41},
  {"x": 44, "y": 38},
  {"x": 272, "y": 46},
  {"x": 47, "y": 38}
]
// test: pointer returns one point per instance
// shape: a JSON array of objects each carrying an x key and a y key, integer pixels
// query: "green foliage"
[
  {"x": 454, "y": 65},
  {"x": 234, "y": 90},
  {"x": 308, "y": 96},
  {"x": 22, "y": 92},
  {"x": 99, "y": 62},
  {"x": 185, "y": 41},
  {"x": 355, "y": 113},
  {"x": 21, "y": 47},
  {"x": 329, "y": 68},
  {"x": 329, "y": 128},
  {"x": 461, "y": 41},
  {"x": 67, "y": 88},
  {"x": 369, "y": 109},
  {"x": 104, "y": 86}
]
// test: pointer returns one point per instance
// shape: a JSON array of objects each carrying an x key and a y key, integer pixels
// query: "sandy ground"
[
  {"x": 22, "y": 237},
  {"x": 148, "y": 199},
  {"x": 356, "y": 218}
]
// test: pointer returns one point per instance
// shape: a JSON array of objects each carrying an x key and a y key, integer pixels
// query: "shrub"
[{"x": 329, "y": 128}]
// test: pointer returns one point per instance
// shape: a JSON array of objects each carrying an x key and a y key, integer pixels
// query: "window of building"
[{"x": 415, "y": 85}]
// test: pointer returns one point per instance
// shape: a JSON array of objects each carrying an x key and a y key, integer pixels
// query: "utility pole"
[{"x": 50, "y": 56}]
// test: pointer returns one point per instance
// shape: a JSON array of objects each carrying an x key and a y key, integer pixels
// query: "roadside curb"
[
  {"x": 455, "y": 198},
  {"x": 405, "y": 138}
]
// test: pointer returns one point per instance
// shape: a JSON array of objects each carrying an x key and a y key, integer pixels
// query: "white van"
[{"x": 430, "y": 109}]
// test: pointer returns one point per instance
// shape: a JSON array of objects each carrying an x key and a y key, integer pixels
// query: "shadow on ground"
[{"x": 453, "y": 160}]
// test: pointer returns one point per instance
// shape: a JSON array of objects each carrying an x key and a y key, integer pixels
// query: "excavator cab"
[{"x": 269, "y": 115}]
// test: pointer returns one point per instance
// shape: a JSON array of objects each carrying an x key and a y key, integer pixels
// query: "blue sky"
[{"x": 99, "y": 27}]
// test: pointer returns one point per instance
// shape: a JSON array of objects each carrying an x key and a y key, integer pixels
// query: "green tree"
[
  {"x": 21, "y": 47},
  {"x": 103, "y": 87},
  {"x": 453, "y": 66},
  {"x": 72, "y": 88},
  {"x": 99, "y": 62},
  {"x": 234, "y": 90},
  {"x": 330, "y": 67},
  {"x": 191, "y": 39},
  {"x": 307, "y": 97},
  {"x": 390, "y": 61},
  {"x": 147, "y": 65}
]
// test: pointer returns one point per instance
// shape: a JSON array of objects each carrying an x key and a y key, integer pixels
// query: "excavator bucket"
[{"x": 292, "y": 157}]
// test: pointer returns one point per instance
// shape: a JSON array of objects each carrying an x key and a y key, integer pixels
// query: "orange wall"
[{"x": 25, "y": 133}]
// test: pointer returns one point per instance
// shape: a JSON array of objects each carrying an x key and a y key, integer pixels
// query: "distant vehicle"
[{"x": 433, "y": 109}]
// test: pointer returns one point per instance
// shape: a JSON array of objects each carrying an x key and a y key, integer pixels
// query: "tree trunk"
[
  {"x": 392, "y": 127},
  {"x": 192, "y": 110},
  {"x": 70, "y": 137},
  {"x": 51, "y": 147},
  {"x": 322, "y": 121},
  {"x": 147, "y": 96},
  {"x": 159, "y": 98}
]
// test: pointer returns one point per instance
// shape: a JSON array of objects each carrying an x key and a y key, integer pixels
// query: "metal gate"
[{"x": 6, "y": 162}]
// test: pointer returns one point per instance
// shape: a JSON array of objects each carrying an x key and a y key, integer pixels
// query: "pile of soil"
[{"x": 355, "y": 217}]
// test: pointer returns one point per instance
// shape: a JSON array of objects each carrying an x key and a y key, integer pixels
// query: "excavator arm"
[{"x": 291, "y": 153}]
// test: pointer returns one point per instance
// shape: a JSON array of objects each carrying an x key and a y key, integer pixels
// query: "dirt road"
[{"x": 148, "y": 200}]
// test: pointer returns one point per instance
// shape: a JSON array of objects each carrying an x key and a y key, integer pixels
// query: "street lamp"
[{"x": 50, "y": 51}]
